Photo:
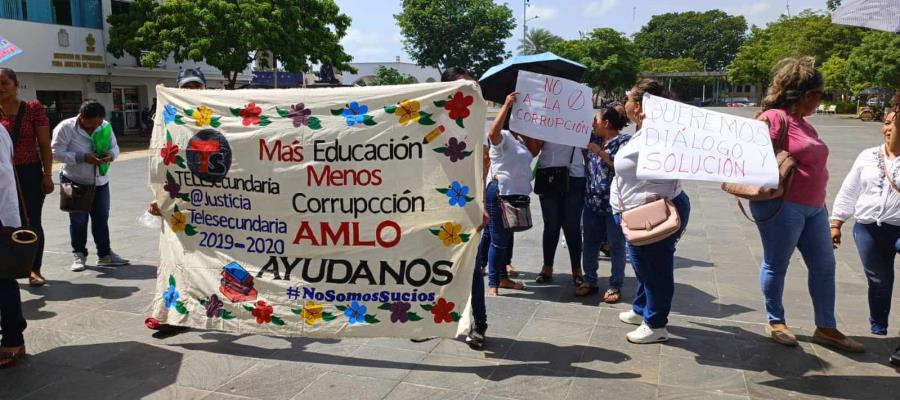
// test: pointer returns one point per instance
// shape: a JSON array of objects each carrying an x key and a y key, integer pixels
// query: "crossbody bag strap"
[
  {"x": 887, "y": 174},
  {"x": 17, "y": 129},
  {"x": 778, "y": 144}
]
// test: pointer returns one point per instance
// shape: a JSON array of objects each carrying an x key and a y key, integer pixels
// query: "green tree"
[
  {"x": 390, "y": 76},
  {"x": 670, "y": 65},
  {"x": 836, "y": 72},
  {"x": 230, "y": 34},
  {"x": 711, "y": 37},
  {"x": 611, "y": 59},
  {"x": 807, "y": 33},
  {"x": 460, "y": 33},
  {"x": 876, "y": 62},
  {"x": 833, "y": 4},
  {"x": 538, "y": 41}
]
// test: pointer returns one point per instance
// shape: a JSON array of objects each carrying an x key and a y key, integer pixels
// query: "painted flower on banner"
[
  {"x": 459, "y": 106},
  {"x": 408, "y": 111},
  {"x": 169, "y": 153},
  {"x": 355, "y": 113},
  {"x": 400, "y": 311},
  {"x": 458, "y": 194},
  {"x": 250, "y": 114},
  {"x": 171, "y": 187},
  {"x": 441, "y": 311},
  {"x": 356, "y": 313},
  {"x": 170, "y": 296},
  {"x": 178, "y": 222},
  {"x": 299, "y": 114},
  {"x": 450, "y": 233},
  {"x": 263, "y": 312},
  {"x": 312, "y": 313},
  {"x": 169, "y": 113},
  {"x": 455, "y": 149},
  {"x": 203, "y": 116},
  {"x": 213, "y": 306}
]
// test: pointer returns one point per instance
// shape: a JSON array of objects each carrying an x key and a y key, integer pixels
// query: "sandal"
[
  {"x": 545, "y": 276},
  {"x": 493, "y": 292},
  {"x": 511, "y": 271},
  {"x": 612, "y": 295},
  {"x": 604, "y": 248},
  {"x": 511, "y": 284},
  {"x": 586, "y": 289},
  {"x": 577, "y": 280},
  {"x": 8, "y": 358},
  {"x": 36, "y": 280}
]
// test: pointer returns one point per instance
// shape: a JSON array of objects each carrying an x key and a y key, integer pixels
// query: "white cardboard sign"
[{"x": 552, "y": 109}]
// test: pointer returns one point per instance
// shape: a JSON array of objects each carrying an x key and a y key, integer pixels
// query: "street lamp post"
[{"x": 525, "y": 20}]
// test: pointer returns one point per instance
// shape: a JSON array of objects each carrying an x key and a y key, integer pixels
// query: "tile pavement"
[{"x": 87, "y": 340}]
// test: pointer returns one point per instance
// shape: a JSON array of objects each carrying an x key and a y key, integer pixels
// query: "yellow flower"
[
  {"x": 449, "y": 234},
  {"x": 203, "y": 116},
  {"x": 178, "y": 222},
  {"x": 312, "y": 312},
  {"x": 408, "y": 110}
]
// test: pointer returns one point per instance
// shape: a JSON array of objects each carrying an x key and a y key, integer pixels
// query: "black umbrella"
[{"x": 500, "y": 80}]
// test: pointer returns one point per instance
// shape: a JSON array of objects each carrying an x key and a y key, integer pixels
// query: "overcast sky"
[{"x": 375, "y": 37}]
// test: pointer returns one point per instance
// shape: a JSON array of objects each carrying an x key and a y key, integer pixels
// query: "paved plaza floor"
[{"x": 87, "y": 340}]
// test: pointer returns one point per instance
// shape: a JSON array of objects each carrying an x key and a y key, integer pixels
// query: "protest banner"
[
  {"x": 679, "y": 141},
  {"x": 552, "y": 109},
  {"x": 8, "y": 49},
  {"x": 320, "y": 212}
]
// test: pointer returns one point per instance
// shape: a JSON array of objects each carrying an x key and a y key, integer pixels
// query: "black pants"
[{"x": 30, "y": 178}]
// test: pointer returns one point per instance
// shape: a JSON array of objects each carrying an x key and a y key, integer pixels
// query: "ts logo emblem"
[{"x": 209, "y": 155}]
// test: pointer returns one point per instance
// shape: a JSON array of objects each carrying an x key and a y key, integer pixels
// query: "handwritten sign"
[
  {"x": 326, "y": 213},
  {"x": 552, "y": 109},
  {"x": 679, "y": 141}
]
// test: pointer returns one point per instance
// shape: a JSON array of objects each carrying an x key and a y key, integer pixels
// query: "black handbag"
[
  {"x": 553, "y": 181},
  {"x": 19, "y": 246},
  {"x": 75, "y": 197}
]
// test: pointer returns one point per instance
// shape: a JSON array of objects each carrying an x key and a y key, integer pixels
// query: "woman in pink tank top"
[{"x": 799, "y": 220}]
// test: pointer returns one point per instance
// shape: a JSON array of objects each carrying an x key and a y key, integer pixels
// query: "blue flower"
[
  {"x": 169, "y": 112},
  {"x": 457, "y": 194},
  {"x": 170, "y": 296},
  {"x": 356, "y": 312},
  {"x": 355, "y": 113}
]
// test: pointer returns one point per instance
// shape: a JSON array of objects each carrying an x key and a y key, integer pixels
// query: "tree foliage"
[
  {"x": 611, "y": 59},
  {"x": 670, "y": 65},
  {"x": 538, "y": 40},
  {"x": 711, "y": 37},
  {"x": 836, "y": 72},
  {"x": 876, "y": 62},
  {"x": 460, "y": 33},
  {"x": 229, "y": 34},
  {"x": 807, "y": 33},
  {"x": 390, "y": 76},
  {"x": 832, "y": 4}
]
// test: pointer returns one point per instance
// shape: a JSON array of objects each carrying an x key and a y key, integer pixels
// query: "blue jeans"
[
  {"x": 479, "y": 310},
  {"x": 499, "y": 254},
  {"x": 12, "y": 322},
  {"x": 877, "y": 246},
  {"x": 654, "y": 267},
  {"x": 99, "y": 221},
  {"x": 563, "y": 212},
  {"x": 804, "y": 228},
  {"x": 600, "y": 228}
]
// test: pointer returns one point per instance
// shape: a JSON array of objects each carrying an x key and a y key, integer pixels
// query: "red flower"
[
  {"x": 459, "y": 105},
  {"x": 441, "y": 311},
  {"x": 250, "y": 114},
  {"x": 262, "y": 312},
  {"x": 169, "y": 153}
]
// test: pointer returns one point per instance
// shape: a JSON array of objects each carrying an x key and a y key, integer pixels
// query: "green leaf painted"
[
  {"x": 390, "y": 109},
  {"x": 338, "y": 111},
  {"x": 171, "y": 280},
  {"x": 235, "y": 111},
  {"x": 180, "y": 161},
  {"x": 190, "y": 230},
  {"x": 459, "y": 121},
  {"x": 434, "y": 232},
  {"x": 469, "y": 198},
  {"x": 370, "y": 319},
  {"x": 189, "y": 112},
  {"x": 202, "y": 302},
  {"x": 467, "y": 153},
  {"x": 385, "y": 306},
  {"x": 314, "y": 123},
  {"x": 176, "y": 209},
  {"x": 277, "y": 321},
  {"x": 168, "y": 137},
  {"x": 464, "y": 237},
  {"x": 341, "y": 308},
  {"x": 427, "y": 307},
  {"x": 248, "y": 308},
  {"x": 441, "y": 150},
  {"x": 413, "y": 316},
  {"x": 440, "y": 103},
  {"x": 264, "y": 122},
  {"x": 327, "y": 316},
  {"x": 297, "y": 311},
  {"x": 178, "y": 120},
  {"x": 215, "y": 122},
  {"x": 169, "y": 176},
  {"x": 443, "y": 191},
  {"x": 425, "y": 118},
  {"x": 225, "y": 314},
  {"x": 282, "y": 112},
  {"x": 184, "y": 196},
  {"x": 179, "y": 306},
  {"x": 369, "y": 120},
  {"x": 455, "y": 315}
]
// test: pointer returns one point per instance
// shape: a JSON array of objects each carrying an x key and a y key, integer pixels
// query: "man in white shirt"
[{"x": 73, "y": 146}]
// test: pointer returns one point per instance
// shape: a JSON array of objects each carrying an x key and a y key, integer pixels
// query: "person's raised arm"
[{"x": 494, "y": 133}]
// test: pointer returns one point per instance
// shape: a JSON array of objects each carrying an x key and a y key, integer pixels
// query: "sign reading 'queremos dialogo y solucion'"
[
  {"x": 324, "y": 212},
  {"x": 552, "y": 109},
  {"x": 679, "y": 141}
]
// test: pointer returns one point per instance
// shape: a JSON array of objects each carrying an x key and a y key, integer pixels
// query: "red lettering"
[
  {"x": 280, "y": 152},
  {"x": 342, "y": 236},
  {"x": 206, "y": 148},
  {"x": 359, "y": 242},
  {"x": 379, "y": 233},
  {"x": 305, "y": 233},
  {"x": 552, "y": 86},
  {"x": 329, "y": 236},
  {"x": 343, "y": 177},
  {"x": 652, "y": 157}
]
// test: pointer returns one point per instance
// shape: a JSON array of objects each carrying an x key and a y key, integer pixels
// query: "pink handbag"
[{"x": 651, "y": 222}]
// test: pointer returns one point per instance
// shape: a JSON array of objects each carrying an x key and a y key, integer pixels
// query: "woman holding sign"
[
  {"x": 870, "y": 195},
  {"x": 654, "y": 263},
  {"x": 799, "y": 219}
]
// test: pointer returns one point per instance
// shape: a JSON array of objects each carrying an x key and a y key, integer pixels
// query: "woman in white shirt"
[
  {"x": 509, "y": 178},
  {"x": 870, "y": 193},
  {"x": 653, "y": 263},
  {"x": 12, "y": 322}
]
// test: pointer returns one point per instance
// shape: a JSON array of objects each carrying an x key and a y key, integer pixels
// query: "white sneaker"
[
  {"x": 78, "y": 262},
  {"x": 645, "y": 334},
  {"x": 631, "y": 317},
  {"x": 112, "y": 260}
]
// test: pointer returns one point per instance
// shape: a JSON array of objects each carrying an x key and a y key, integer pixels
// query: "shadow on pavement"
[
  {"x": 58, "y": 291},
  {"x": 841, "y": 387}
]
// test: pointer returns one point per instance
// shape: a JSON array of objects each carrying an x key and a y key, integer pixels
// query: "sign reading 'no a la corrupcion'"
[
  {"x": 552, "y": 109},
  {"x": 679, "y": 141}
]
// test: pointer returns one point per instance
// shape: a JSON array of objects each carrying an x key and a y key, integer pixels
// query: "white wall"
[{"x": 40, "y": 41}]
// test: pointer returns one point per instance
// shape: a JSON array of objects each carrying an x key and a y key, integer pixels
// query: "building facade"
[{"x": 64, "y": 61}]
